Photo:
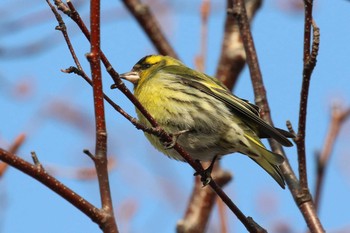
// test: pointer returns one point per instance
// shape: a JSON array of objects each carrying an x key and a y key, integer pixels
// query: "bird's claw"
[
  {"x": 206, "y": 173},
  {"x": 174, "y": 136},
  {"x": 205, "y": 176}
]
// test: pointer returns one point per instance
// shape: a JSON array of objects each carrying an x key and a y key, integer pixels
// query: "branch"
[
  {"x": 339, "y": 116},
  {"x": 100, "y": 156},
  {"x": 78, "y": 70},
  {"x": 40, "y": 174},
  {"x": 302, "y": 199},
  {"x": 309, "y": 65},
  {"x": 70, "y": 11},
  {"x": 149, "y": 24}
]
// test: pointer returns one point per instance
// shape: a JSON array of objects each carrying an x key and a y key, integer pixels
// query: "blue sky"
[{"x": 153, "y": 189}]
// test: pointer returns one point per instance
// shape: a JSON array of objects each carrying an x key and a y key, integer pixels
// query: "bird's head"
[{"x": 147, "y": 67}]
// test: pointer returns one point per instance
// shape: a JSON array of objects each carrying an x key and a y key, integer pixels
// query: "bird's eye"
[{"x": 145, "y": 66}]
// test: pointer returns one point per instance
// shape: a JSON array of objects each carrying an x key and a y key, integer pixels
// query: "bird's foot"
[
  {"x": 174, "y": 136},
  {"x": 206, "y": 173}
]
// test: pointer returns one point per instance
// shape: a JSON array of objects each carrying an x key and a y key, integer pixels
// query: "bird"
[{"x": 204, "y": 117}]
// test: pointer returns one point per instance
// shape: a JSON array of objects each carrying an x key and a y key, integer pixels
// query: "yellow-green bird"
[{"x": 209, "y": 120}]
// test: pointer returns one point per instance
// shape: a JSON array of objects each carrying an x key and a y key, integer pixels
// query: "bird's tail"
[{"x": 268, "y": 160}]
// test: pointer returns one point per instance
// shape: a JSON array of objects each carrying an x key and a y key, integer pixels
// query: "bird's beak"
[{"x": 132, "y": 77}]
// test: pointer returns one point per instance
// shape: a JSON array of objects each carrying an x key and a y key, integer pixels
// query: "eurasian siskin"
[{"x": 211, "y": 120}]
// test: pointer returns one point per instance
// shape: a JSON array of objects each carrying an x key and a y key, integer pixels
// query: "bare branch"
[
  {"x": 52, "y": 183},
  {"x": 100, "y": 156},
  {"x": 101, "y": 163},
  {"x": 339, "y": 116},
  {"x": 309, "y": 64}
]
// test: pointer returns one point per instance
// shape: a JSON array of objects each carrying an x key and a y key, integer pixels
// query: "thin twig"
[
  {"x": 36, "y": 160},
  {"x": 309, "y": 64},
  {"x": 339, "y": 116},
  {"x": 134, "y": 121},
  {"x": 62, "y": 27},
  {"x": 118, "y": 83}
]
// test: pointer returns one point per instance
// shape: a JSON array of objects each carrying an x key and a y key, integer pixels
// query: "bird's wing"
[{"x": 248, "y": 111}]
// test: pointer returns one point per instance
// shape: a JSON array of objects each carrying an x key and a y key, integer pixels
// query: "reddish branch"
[
  {"x": 339, "y": 116},
  {"x": 100, "y": 156},
  {"x": 39, "y": 174},
  {"x": 302, "y": 198}
]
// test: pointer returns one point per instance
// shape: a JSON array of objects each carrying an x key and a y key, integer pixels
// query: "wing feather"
[{"x": 212, "y": 87}]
